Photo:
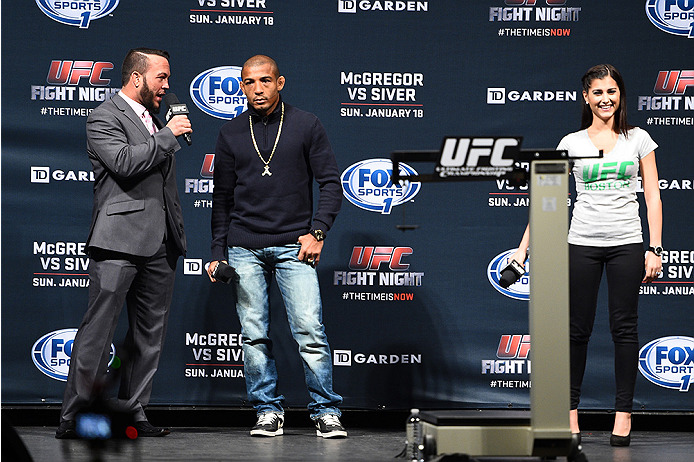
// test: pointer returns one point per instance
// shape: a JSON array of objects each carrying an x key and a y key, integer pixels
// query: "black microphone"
[
  {"x": 511, "y": 274},
  {"x": 223, "y": 272},
  {"x": 176, "y": 108}
]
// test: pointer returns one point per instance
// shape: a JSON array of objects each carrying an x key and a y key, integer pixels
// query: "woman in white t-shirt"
[{"x": 605, "y": 233}]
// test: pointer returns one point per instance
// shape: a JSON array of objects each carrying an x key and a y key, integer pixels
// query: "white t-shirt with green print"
[{"x": 606, "y": 210}]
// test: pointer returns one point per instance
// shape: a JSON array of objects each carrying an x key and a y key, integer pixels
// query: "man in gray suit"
[{"x": 135, "y": 239}]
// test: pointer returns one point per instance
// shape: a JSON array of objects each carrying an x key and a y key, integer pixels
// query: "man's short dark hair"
[
  {"x": 137, "y": 61},
  {"x": 259, "y": 60}
]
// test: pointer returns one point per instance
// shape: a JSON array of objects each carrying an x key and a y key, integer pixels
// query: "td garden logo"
[
  {"x": 352, "y": 6},
  {"x": 348, "y": 359}
]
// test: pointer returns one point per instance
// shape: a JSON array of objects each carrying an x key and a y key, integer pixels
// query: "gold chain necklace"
[{"x": 255, "y": 145}]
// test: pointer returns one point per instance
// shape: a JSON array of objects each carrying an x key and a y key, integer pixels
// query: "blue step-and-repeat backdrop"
[{"x": 412, "y": 308}]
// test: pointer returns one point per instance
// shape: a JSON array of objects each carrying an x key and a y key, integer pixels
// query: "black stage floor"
[{"x": 302, "y": 444}]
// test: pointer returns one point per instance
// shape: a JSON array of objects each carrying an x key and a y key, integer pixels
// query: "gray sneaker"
[
  {"x": 329, "y": 426},
  {"x": 268, "y": 424}
]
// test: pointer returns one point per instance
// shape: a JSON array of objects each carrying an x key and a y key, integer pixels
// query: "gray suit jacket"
[{"x": 135, "y": 193}]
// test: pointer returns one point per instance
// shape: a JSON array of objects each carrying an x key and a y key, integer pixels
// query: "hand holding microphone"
[
  {"x": 511, "y": 274},
  {"x": 178, "y": 125},
  {"x": 221, "y": 272},
  {"x": 514, "y": 270}
]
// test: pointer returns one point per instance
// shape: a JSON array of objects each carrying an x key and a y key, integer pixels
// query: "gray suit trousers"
[{"x": 145, "y": 286}]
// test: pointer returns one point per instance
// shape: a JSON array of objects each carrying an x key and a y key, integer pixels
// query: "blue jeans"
[{"x": 298, "y": 283}]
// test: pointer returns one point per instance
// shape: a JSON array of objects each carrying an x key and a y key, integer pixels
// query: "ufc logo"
[
  {"x": 207, "y": 170},
  {"x": 371, "y": 258},
  {"x": 673, "y": 82},
  {"x": 71, "y": 72},
  {"x": 514, "y": 346},
  {"x": 468, "y": 152}
]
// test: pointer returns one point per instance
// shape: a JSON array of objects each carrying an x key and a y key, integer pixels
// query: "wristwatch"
[
  {"x": 318, "y": 234},
  {"x": 657, "y": 250}
]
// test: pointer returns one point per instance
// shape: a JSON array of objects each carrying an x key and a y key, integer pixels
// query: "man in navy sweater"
[{"x": 263, "y": 224}]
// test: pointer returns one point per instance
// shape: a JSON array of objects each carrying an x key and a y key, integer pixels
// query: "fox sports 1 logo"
[
  {"x": 672, "y": 16},
  {"x": 218, "y": 92},
  {"x": 368, "y": 185},
  {"x": 669, "y": 362},
  {"x": 520, "y": 290},
  {"x": 51, "y": 353},
  {"x": 76, "y": 13}
]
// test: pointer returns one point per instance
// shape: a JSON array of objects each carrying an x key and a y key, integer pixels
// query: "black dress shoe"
[
  {"x": 616, "y": 440},
  {"x": 144, "y": 428},
  {"x": 66, "y": 430}
]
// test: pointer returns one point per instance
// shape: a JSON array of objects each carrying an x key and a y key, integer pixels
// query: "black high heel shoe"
[{"x": 616, "y": 440}]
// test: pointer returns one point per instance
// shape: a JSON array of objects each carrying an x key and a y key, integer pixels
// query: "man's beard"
[{"x": 147, "y": 97}]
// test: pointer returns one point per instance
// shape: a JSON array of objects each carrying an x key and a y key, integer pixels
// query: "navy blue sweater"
[{"x": 255, "y": 211}]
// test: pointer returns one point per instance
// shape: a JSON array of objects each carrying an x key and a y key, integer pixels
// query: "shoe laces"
[
  {"x": 330, "y": 420},
  {"x": 267, "y": 419}
]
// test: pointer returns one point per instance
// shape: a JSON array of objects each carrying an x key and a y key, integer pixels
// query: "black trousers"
[{"x": 624, "y": 267}]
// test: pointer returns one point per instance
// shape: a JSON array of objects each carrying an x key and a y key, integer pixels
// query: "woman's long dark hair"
[{"x": 620, "y": 117}]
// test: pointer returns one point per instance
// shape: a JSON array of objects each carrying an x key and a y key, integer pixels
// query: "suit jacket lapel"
[
  {"x": 130, "y": 114},
  {"x": 125, "y": 108}
]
